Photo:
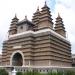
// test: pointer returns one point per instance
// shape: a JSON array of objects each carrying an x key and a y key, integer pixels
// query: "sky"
[{"x": 22, "y": 8}]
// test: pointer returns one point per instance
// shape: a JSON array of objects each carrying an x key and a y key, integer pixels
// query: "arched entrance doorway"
[{"x": 17, "y": 59}]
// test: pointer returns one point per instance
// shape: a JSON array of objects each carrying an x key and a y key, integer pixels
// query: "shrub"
[
  {"x": 19, "y": 73},
  {"x": 3, "y": 72},
  {"x": 33, "y": 73},
  {"x": 52, "y": 73},
  {"x": 69, "y": 72},
  {"x": 49, "y": 73},
  {"x": 29, "y": 73},
  {"x": 59, "y": 73}
]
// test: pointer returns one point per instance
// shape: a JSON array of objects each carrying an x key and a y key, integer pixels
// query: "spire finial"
[
  {"x": 58, "y": 15},
  {"x": 15, "y": 15},
  {"x": 45, "y": 3},
  {"x": 26, "y": 17},
  {"x": 38, "y": 8}
]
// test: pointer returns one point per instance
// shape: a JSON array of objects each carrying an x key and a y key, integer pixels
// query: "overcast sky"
[{"x": 8, "y": 8}]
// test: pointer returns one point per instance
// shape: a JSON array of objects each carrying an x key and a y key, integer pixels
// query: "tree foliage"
[
  {"x": 3, "y": 72},
  {"x": 49, "y": 73}
]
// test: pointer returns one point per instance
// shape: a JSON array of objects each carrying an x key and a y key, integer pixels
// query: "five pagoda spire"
[{"x": 41, "y": 20}]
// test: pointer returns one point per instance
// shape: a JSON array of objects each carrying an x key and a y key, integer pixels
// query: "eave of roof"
[{"x": 25, "y": 21}]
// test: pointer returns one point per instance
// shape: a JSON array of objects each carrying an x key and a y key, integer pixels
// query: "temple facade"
[{"x": 38, "y": 42}]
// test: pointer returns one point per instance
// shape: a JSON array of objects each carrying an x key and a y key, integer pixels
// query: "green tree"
[
  {"x": 3, "y": 72},
  {"x": 19, "y": 73},
  {"x": 69, "y": 72}
]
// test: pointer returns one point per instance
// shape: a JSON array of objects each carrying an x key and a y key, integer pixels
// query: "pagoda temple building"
[{"x": 38, "y": 42}]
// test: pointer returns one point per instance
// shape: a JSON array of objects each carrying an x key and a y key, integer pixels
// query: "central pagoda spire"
[
  {"x": 42, "y": 19},
  {"x": 45, "y": 20}
]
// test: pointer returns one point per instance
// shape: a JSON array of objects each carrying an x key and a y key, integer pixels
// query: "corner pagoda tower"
[
  {"x": 36, "y": 42},
  {"x": 59, "y": 26}
]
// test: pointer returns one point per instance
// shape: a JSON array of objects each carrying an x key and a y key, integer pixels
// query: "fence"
[{"x": 13, "y": 69}]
